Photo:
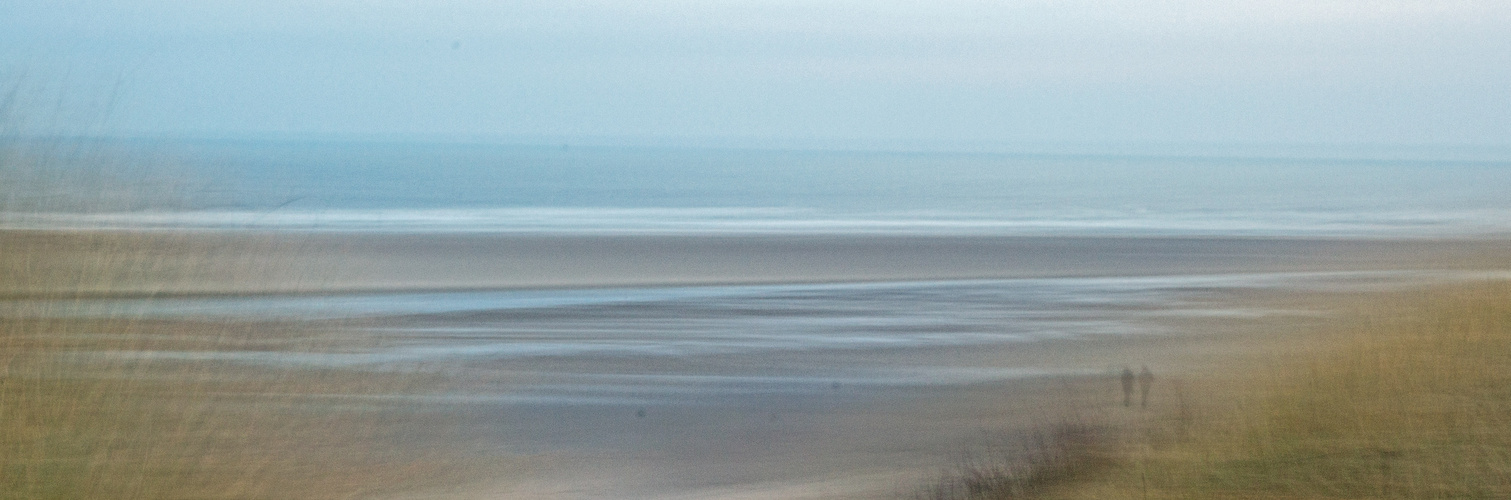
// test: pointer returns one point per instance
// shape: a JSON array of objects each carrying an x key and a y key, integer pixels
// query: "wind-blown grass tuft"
[{"x": 1042, "y": 460}]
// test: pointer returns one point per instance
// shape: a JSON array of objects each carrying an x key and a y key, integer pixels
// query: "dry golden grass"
[{"x": 1412, "y": 399}]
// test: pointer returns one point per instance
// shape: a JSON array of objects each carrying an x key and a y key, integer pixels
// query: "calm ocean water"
[{"x": 489, "y": 188}]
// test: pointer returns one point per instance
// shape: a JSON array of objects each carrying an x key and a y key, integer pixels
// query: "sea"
[{"x": 419, "y": 187}]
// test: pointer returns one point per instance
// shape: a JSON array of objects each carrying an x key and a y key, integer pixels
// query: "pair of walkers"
[{"x": 1145, "y": 379}]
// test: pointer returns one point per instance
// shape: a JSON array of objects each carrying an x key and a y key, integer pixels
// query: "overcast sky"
[{"x": 841, "y": 73}]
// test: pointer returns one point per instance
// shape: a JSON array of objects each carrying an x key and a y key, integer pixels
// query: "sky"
[{"x": 863, "y": 73}]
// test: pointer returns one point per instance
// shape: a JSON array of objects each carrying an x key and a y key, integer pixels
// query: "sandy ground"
[
  {"x": 866, "y": 441},
  {"x": 826, "y": 440},
  {"x": 244, "y": 262}
]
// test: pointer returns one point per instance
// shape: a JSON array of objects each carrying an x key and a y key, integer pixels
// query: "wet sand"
[
  {"x": 213, "y": 262},
  {"x": 854, "y": 440},
  {"x": 782, "y": 393}
]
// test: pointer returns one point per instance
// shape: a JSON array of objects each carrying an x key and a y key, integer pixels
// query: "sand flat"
[
  {"x": 215, "y": 262},
  {"x": 784, "y": 392}
]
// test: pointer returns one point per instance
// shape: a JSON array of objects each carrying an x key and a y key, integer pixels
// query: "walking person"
[
  {"x": 1145, "y": 381},
  {"x": 1127, "y": 386}
]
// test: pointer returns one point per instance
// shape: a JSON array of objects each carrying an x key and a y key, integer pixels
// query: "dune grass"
[
  {"x": 1410, "y": 397},
  {"x": 1038, "y": 463}
]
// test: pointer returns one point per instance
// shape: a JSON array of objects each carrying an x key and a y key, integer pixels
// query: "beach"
[
  {"x": 755, "y": 250},
  {"x": 247, "y": 262},
  {"x": 679, "y": 366}
]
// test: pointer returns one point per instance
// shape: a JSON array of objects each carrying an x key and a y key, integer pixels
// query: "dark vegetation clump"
[{"x": 1027, "y": 467}]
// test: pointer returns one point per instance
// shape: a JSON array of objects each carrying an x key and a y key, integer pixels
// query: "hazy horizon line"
[{"x": 1342, "y": 151}]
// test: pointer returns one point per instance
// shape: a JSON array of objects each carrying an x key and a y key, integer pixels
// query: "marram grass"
[{"x": 1410, "y": 398}]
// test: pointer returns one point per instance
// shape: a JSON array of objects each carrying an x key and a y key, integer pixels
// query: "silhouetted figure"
[
  {"x": 1145, "y": 380},
  {"x": 1127, "y": 386}
]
